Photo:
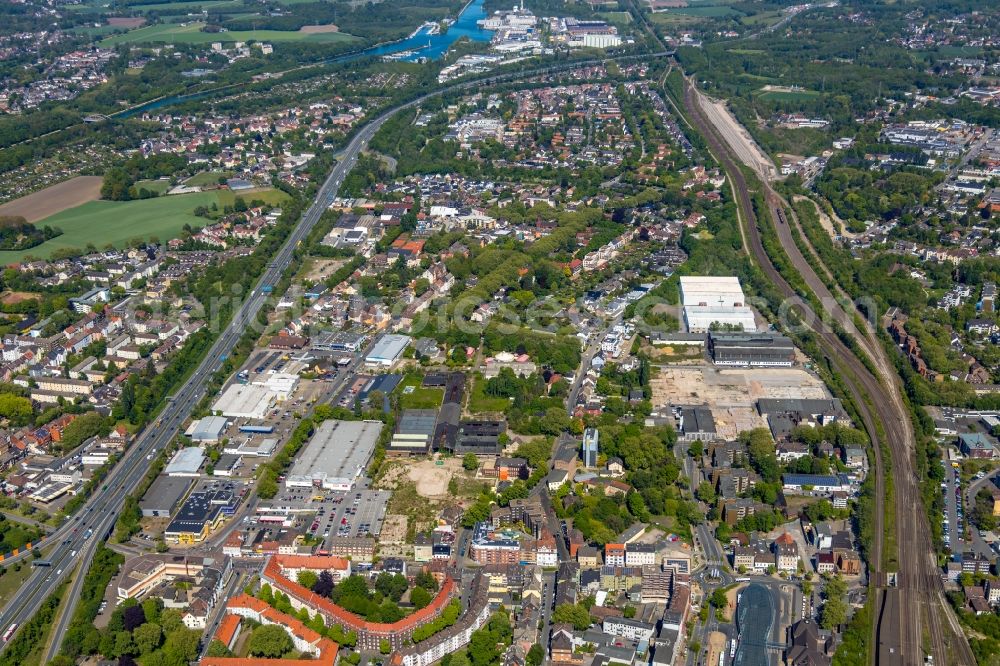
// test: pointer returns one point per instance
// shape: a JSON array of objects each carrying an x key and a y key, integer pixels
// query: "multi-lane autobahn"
[{"x": 75, "y": 541}]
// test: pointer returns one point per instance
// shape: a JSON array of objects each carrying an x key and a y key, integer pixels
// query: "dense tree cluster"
[{"x": 17, "y": 234}]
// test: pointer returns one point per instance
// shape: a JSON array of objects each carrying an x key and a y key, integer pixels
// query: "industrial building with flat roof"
[
  {"x": 715, "y": 291},
  {"x": 185, "y": 462},
  {"x": 414, "y": 432},
  {"x": 387, "y": 350},
  {"x": 336, "y": 455},
  {"x": 252, "y": 448},
  {"x": 208, "y": 429},
  {"x": 479, "y": 437},
  {"x": 757, "y": 349},
  {"x": 164, "y": 496},
  {"x": 716, "y": 301},
  {"x": 281, "y": 384},
  {"x": 247, "y": 401},
  {"x": 697, "y": 424},
  {"x": 202, "y": 512}
]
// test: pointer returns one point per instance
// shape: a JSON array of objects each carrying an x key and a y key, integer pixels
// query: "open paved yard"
[
  {"x": 732, "y": 393},
  {"x": 732, "y": 387}
]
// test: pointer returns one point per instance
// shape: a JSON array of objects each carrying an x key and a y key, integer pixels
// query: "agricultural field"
[
  {"x": 116, "y": 222},
  {"x": 54, "y": 199},
  {"x": 191, "y": 33}
]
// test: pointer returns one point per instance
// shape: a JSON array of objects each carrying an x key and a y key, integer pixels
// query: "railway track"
[{"x": 917, "y": 599}]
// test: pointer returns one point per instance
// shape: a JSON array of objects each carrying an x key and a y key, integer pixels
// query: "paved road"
[
  {"x": 77, "y": 539},
  {"x": 920, "y": 593},
  {"x": 18, "y": 518},
  {"x": 979, "y": 545}
]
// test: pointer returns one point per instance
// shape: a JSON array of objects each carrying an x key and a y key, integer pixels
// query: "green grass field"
[
  {"x": 158, "y": 186},
  {"x": 788, "y": 96},
  {"x": 707, "y": 11},
  {"x": 117, "y": 222},
  {"x": 420, "y": 397},
  {"x": 479, "y": 402},
  {"x": 11, "y": 581},
  {"x": 185, "y": 5},
  {"x": 191, "y": 34},
  {"x": 621, "y": 18},
  {"x": 762, "y": 19},
  {"x": 207, "y": 178}
]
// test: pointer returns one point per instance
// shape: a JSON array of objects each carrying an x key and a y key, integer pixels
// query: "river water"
[{"x": 421, "y": 46}]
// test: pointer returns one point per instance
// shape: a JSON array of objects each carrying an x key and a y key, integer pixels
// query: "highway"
[{"x": 76, "y": 540}]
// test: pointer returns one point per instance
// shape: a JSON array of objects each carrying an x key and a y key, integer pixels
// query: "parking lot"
[
  {"x": 329, "y": 514},
  {"x": 954, "y": 515}
]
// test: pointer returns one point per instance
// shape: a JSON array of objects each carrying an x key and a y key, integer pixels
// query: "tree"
[
  {"x": 573, "y": 614},
  {"x": 122, "y": 644},
  {"x": 391, "y": 585},
  {"x": 705, "y": 492},
  {"x": 269, "y": 640},
  {"x": 470, "y": 462},
  {"x": 760, "y": 448},
  {"x": 535, "y": 655},
  {"x": 83, "y": 428},
  {"x": 171, "y": 621},
  {"x": 426, "y": 580},
  {"x": 307, "y": 578},
  {"x": 554, "y": 421},
  {"x": 835, "y": 608},
  {"x": 147, "y": 637},
  {"x": 218, "y": 649},
  {"x": 15, "y": 408},
  {"x": 719, "y": 598},
  {"x": 420, "y": 597},
  {"x": 180, "y": 646},
  {"x": 133, "y": 617},
  {"x": 152, "y": 607},
  {"x": 384, "y": 646},
  {"x": 324, "y": 584}
]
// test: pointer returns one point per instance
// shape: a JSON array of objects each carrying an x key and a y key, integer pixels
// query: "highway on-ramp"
[{"x": 76, "y": 540}]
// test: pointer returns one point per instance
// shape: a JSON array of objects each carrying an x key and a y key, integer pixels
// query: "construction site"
[{"x": 732, "y": 393}]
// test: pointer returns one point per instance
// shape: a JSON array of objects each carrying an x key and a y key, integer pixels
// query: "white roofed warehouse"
[
  {"x": 247, "y": 401},
  {"x": 185, "y": 462},
  {"x": 715, "y": 302},
  {"x": 208, "y": 429},
  {"x": 336, "y": 455},
  {"x": 387, "y": 350}
]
